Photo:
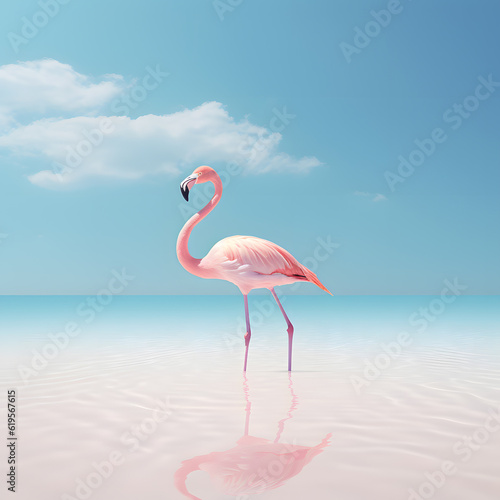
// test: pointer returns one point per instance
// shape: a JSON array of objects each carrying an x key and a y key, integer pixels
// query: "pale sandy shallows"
[{"x": 128, "y": 415}]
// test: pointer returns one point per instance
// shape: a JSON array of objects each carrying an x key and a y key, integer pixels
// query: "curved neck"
[{"x": 188, "y": 262}]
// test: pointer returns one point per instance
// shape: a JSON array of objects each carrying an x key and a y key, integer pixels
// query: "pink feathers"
[{"x": 251, "y": 261}]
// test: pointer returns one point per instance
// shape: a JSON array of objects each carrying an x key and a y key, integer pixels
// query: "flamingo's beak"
[{"x": 186, "y": 185}]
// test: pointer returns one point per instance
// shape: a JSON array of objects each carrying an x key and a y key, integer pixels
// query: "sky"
[{"x": 360, "y": 136}]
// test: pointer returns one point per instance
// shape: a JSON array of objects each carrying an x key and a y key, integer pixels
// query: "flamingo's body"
[
  {"x": 246, "y": 261},
  {"x": 251, "y": 262}
]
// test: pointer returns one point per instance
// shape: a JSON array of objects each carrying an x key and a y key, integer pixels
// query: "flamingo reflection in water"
[{"x": 254, "y": 465}]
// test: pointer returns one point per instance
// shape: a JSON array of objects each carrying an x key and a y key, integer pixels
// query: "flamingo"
[{"x": 246, "y": 261}]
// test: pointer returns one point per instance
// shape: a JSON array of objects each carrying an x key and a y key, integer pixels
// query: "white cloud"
[
  {"x": 46, "y": 86},
  {"x": 373, "y": 196},
  {"x": 150, "y": 144},
  {"x": 86, "y": 148}
]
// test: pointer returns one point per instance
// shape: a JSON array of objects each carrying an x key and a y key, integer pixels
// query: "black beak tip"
[{"x": 185, "y": 193}]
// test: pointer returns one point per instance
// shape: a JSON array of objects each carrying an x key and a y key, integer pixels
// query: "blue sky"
[{"x": 319, "y": 176}]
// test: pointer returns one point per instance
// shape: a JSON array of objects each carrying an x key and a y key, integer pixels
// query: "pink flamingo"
[{"x": 246, "y": 261}]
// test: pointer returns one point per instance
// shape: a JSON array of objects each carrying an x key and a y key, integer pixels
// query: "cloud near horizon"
[
  {"x": 373, "y": 196},
  {"x": 76, "y": 146}
]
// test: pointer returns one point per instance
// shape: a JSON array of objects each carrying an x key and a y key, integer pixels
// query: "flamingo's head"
[{"x": 200, "y": 175}]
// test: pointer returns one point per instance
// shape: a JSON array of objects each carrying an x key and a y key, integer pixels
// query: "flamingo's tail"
[{"x": 314, "y": 279}]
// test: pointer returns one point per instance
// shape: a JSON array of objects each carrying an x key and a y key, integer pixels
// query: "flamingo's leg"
[
  {"x": 289, "y": 329},
  {"x": 248, "y": 333}
]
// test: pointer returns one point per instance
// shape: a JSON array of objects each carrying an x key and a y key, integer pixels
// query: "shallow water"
[{"x": 149, "y": 400}]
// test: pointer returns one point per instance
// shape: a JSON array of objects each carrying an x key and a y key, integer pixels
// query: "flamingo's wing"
[{"x": 262, "y": 257}]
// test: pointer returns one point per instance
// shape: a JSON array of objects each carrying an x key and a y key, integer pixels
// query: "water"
[{"x": 390, "y": 398}]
